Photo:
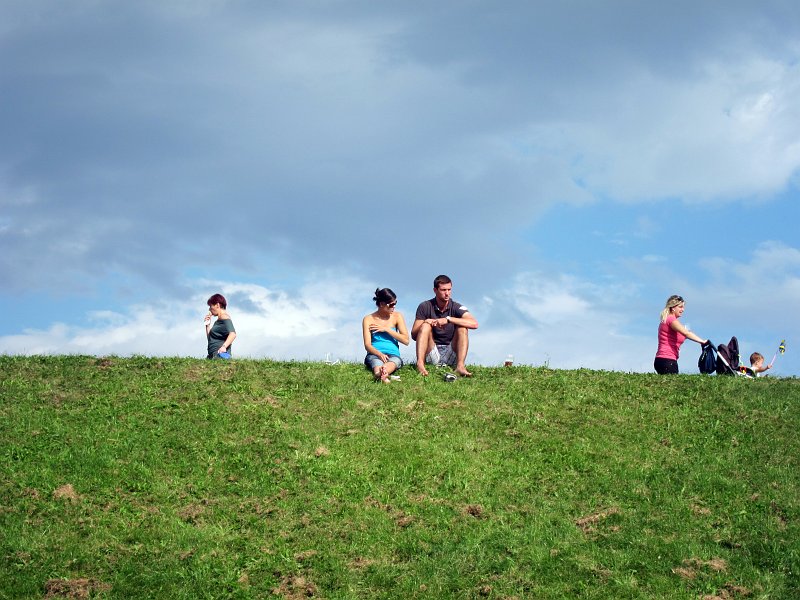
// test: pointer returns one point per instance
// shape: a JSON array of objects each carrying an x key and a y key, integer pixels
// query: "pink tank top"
[{"x": 669, "y": 341}]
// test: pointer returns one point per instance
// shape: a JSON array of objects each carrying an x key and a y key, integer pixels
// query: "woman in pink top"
[{"x": 671, "y": 334}]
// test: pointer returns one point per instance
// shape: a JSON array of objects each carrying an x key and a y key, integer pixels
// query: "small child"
[{"x": 757, "y": 364}]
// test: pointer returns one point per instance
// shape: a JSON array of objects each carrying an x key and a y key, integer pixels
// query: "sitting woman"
[
  {"x": 383, "y": 331},
  {"x": 671, "y": 334},
  {"x": 221, "y": 333}
]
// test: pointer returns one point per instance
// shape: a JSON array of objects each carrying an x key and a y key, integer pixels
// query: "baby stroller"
[{"x": 728, "y": 359}]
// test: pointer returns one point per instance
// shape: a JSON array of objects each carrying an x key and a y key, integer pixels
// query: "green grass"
[{"x": 181, "y": 478}]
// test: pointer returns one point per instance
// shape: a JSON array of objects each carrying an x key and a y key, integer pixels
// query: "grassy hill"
[{"x": 182, "y": 478}]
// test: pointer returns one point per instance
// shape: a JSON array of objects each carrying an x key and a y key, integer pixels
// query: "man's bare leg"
[
  {"x": 461, "y": 346},
  {"x": 424, "y": 345}
]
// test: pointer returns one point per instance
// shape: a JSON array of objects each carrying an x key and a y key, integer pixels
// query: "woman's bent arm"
[{"x": 678, "y": 326}]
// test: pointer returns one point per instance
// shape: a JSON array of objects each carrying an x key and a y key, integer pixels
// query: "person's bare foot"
[
  {"x": 384, "y": 375},
  {"x": 422, "y": 370},
  {"x": 463, "y": 371}
]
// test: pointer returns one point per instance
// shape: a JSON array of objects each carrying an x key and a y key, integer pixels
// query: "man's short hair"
[{"x": 440, "y": 280}]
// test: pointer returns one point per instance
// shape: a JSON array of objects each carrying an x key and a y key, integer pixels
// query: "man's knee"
[
  {"x": 423, "y": 334},
  {"x": 461, "y": 333}
]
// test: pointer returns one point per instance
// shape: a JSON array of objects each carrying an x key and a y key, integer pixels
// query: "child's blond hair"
[{"x": 755, "y": 357}]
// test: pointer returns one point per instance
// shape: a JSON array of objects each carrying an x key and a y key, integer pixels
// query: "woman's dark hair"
[
  {"x": 384, "y": 295},
  {"x": 218, "y": 299}
]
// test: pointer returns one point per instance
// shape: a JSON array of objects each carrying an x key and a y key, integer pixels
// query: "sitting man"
[{"x": 440, "y": 330}]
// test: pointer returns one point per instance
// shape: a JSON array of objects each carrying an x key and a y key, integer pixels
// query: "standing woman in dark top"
[{"x": 221, "y": 334}]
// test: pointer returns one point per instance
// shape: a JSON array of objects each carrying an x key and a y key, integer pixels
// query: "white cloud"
[
  {"x": 551, "y": 323},
  {"x": 560, "y": 321},
  {"x": 563, "y": 322},
  {"x": 321, "y": 317},
  {"x": 730, "y": 131},
  {"x": 765, "y": 287},
  {"x": 146, "y": 141}
]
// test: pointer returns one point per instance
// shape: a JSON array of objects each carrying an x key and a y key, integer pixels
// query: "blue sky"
[{"x": 569, "y": 164}]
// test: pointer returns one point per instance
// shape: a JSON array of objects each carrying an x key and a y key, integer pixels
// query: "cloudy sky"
[{"x": 569, "y": 164}]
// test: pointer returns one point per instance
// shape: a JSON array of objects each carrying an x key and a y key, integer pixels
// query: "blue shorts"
[{"x": 371, "y": 361}]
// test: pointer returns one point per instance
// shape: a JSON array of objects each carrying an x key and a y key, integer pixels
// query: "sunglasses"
[{"x": 391, "y": 304}]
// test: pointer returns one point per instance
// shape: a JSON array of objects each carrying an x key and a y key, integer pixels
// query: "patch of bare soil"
[
  {"x": 262, "y": 508},
  {"x": 321, "y": 451},
  {"x": 729, "y": 592},
  {"x": 474, "y": 510},
  {"x": 692, "y": 567},
  {"x": 58, "y": 399},
  {"x": 685, "y": 573},
  {"x": 401, "y": 519},
  {"x": 780, "y": 515},
  {"x": 420, "y": 498},
  {"x": 74, "y": 588},
  {"x": 295, "y": 587},
  {"x": 269, "y": 400},
  {"x": 717, "y": 564},
  {"x": 411, "y": 406},
  {"x": 194, "y": 373},
  {"x": 451, "y": 404},
  {"x": 104, "y": 363},
  {"x": 360, "y": 562},
  {"x": 602, "y": 573},
  {"x": 66, "y": 493},
  {"x": 588, "y": 523},
  {"x": 305, "y": 555},
  {"x": 192, "y": 513}
]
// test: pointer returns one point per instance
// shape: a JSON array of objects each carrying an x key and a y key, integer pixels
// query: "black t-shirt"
[
  {"x": 442, "y": 336},
  {"x": 218, "y": 334}
]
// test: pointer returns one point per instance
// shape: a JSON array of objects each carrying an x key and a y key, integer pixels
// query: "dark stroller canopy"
[{"x": 728, "y": 358}]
